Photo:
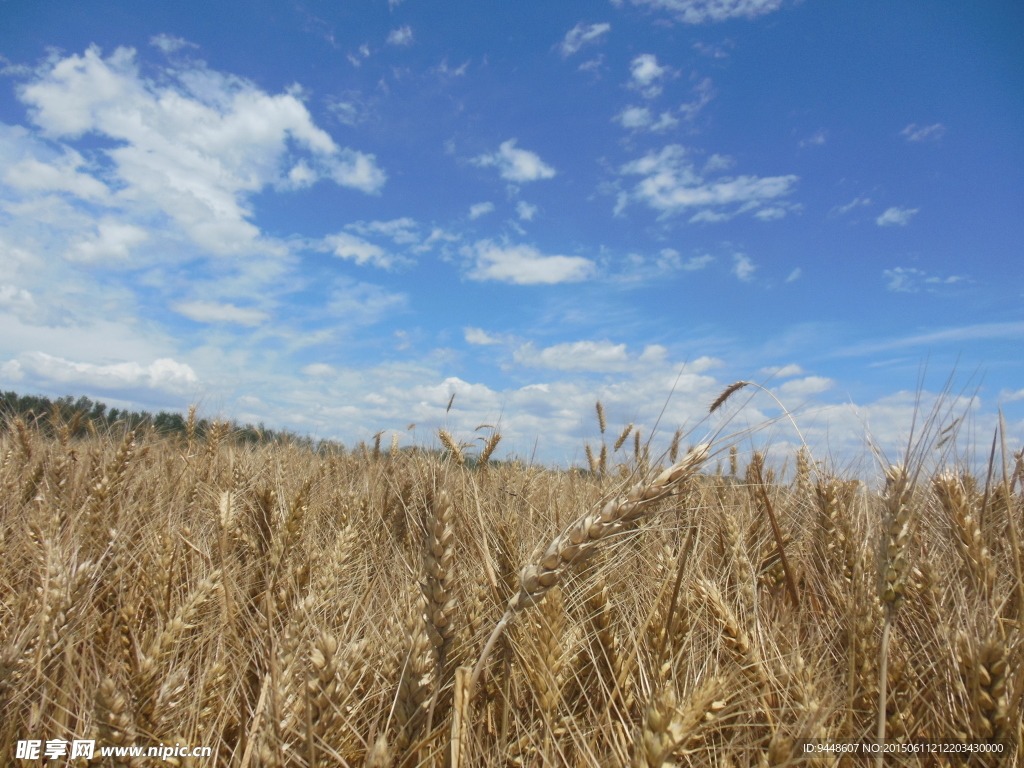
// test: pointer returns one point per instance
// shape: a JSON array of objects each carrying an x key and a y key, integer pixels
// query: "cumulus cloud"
[
  {"x": 783, "y": 371},
  {"x": 637, "y": 118},
  {"x": 401, "y": 36},
  {"x": 896, "y": 217},
  {"x": 360, "y": 251},
  {"x": 163, "y": 374},
  {"x": 580, "y": 35},
  {"x": 701, "y": 11},
  {"x": 61, "y": 174},
  {"x": 807, "y": 386},
  {"x": 516, "y": 164},
  {"x": 525, "y": 211},
  {"x": 479, "y": 336},
  {"x": 743, "y": 267},
  {"x": 194, "y": 144},
  {"x": 113, "y": 240},
  {"x": 479, "y": 209},
  {"x": 924, "y": 132},
  {"x": 214, "y": 312},
  {"x": 672, "y": 186},
  {"x": 647, "y": 75},
  {"x": 524, "y": 265}
]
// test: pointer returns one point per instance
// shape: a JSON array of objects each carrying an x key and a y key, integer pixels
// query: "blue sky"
[{"x": 330, "y": 217}]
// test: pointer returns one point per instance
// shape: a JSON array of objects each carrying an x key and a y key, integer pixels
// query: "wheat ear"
[{"x": 582, "y": 538}]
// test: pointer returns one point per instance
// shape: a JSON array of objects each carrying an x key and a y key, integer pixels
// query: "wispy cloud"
[
  {"x": 977, "y": 332},
  {"x": 480, "y": 209},
  {"x": 400, "y": 36},
  {"x": 896, "y": 216},
  {"x": 589, "y": 356},
  {"x": 857, "y": 202},
  {"x": 911, "y": 280},
  {"x": 525, "y": 211},
  {"x": 701, "y": 11},
  {"x": 353, "y": 248},
  {"x": 743, "y": 267},
  {"x": 516, "y": 164},
  {"x": 524, "y": 265},
  {"x": 580, "y": 35},
  {"x": 214, "y": 312},
  {"x": 915, "y": 132},
  {"x": 672, "y": 185},
  {"x": 816, "y": 139},
  {"x": 169, "y": 43}
]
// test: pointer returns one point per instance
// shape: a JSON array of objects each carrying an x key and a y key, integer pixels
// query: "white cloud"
[
  {"x": 362, "y": 52},
  {"x": 170, "y": 43},
  {"x": 364, "y": 303},
  {"x": 1009, "y": 396},
  {"x": 516, "y": 164},
  {"x": 743, "y": 267},
  {"x": 591, "y": 64},
  {"x": 524, "y": 265},
  {"x": 672, "y": 185},
  {"x": 479, "y": 209},
  {"x": 896, "y": 216},
  {"x": 924, "y": 132},
  {"x": 318, "y": 369},
  {"x": 810, "y": 385},
  {"x": 11, "y": 371},
  {"x": 595, "y": 356},
  {"x": 580, "y": 35},
  {"x": 794, "y": 275},
  {"x": 718, "y": 163},
  {"x": 525, "y": 211},
  {"x": 647, "y": 75},
  {"x": 634, "y": 117},
  {"x": 705, "y": 93},
  {"x": 19, "y": 302},
  {"x": 112, "y": 241},
  {"x": 910, "y": 280},
  {"x": 359, "y": 250},
  {"x": 715, "y": 51},
  {"x": 479, "y": 336},
  {"x": 60, "y": 175},
  {"x": 700, "y": 11},
  {"x": 770, "y": 214},
  {"x": 839, "y": 210},
  {"x": 402, "y": 230},
  {"x": 782, "y": 372},
  {"x": 193, "y": 145},
  {"x": 163, "y": 374},
  {"x": 697, "y": 262},
  {"x": 401, "y": 36},
  {"x": 213, "y": 312},
  {"x": 817, "y": 139}
]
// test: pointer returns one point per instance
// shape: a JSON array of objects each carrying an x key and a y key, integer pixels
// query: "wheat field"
[{"x": 709, "y": 607}]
